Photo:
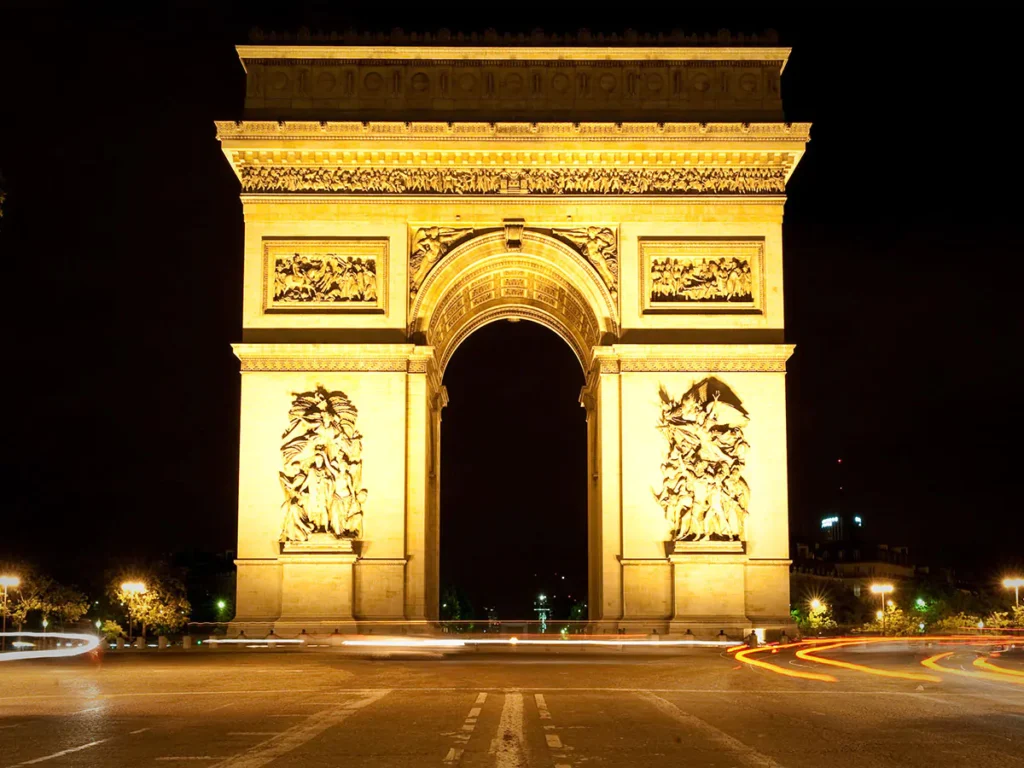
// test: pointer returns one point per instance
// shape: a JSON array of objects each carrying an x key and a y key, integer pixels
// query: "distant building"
[{"x": 842, "y": 552}]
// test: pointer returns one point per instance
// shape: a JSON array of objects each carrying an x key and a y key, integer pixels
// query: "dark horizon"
[{"x": 122, "y": 236}]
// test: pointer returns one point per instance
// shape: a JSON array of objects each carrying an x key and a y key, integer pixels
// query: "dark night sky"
[{"x": 121, "y": 247}]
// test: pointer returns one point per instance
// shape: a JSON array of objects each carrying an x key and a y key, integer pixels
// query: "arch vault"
[{"x": 374, "y": 248}]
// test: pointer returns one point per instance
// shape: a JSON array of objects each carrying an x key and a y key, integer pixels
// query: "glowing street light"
[
  {"x": 221, "y": 605},
  {"x": 130, "y": 591},
  {"x": 816, "y": 604},
  {"x": 883, "y": 590},
  {"x": 7, "y": 582},
  {"x": 1016, "y": 582}
]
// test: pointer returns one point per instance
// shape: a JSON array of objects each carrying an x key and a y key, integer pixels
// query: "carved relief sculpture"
[
  {"x": 327, "y": 278},
  {"x": 703, "y": 493},
  {"x": 494, "y": 181},
  {"x": 598, "y": 245},
  {"x": 686, "y": 280},
  {"x": 323, "y": 467},
  {"x": 329, "y": 275},
  {"x": 429, "y": 244},
  {"x": 701, "y": 275}
]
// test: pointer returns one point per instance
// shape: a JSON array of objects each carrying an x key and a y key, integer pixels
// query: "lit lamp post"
[
  {"x": 130, "y": 591},
  {"x": 883, "y": 590},
  {"x": 1016, "y": 582},
  {"x": 7, "y": 582}
]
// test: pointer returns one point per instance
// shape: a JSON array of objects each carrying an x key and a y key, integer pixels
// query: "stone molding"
[
  {"x": 695, "y": 358},
  {"x": 502, "y": 132},
  {"x": 400, "y": 358}
]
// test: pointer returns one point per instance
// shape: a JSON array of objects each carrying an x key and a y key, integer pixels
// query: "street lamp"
[
  {"x": 7, "y": 582},
  {"x": 883, "y": 590},
  {"x": 816, "y": 604},
  {"x": 1016, "y": 582},
  {"x": 131, "y": 590}
]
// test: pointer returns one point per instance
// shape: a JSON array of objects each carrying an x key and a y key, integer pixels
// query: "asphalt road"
[{"x": 303, "y": 708}]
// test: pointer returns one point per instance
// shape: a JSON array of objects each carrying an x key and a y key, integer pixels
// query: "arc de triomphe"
[{"x": 397, "y": 198}]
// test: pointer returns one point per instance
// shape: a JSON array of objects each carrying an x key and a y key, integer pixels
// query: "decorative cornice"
[
  {"x": 560, "y": 200},
  {"x": 692, "y": 358},
  {"x": 534, "y": 132},
  {"x": 334, "y": 357}
]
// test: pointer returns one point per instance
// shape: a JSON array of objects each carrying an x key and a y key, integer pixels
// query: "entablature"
[{"x": 513, "y": 158}]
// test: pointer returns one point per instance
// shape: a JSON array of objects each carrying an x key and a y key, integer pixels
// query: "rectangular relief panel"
[
  {"x": 701, "y": 276},
  {"x": 318, "y": 276}
]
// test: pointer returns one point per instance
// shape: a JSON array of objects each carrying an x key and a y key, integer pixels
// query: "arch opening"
[{"x": 513, "y": 465}]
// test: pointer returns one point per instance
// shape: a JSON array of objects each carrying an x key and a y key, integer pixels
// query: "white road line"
[
  {"x": 60, "y": 754},
  {"x": 83, "y": 711},
  {"x": 255, "y": 733},
  {"x": 16, "y": 725},
  {"x": 481, "y": 698},
  {"x": 553, "y": 741},
  {"x": 453, "y": 756},
  {"x": 141, "y": 730},
  {"x": 171, "y": 758},
  {"x": 222, "y": 706},
  {"x": 284, "y": 715},
  {"x": 542, "y": 706},
  {"x": 286, "y": 741},
  {"x": 20, "y": 700},
  {"x": 508, "y": 743},
  {"x": 744, "y": 754}
]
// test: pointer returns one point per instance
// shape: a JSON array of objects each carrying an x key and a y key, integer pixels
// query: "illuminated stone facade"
[{"x": 398, "y": 198}]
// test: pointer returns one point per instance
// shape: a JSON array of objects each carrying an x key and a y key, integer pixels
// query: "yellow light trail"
[
  {"x": 933, "y": 663},
  {"x": 807, "y": 655},
  {"x": 744, "y": 656},
  {"x": 985, "y": 664}
]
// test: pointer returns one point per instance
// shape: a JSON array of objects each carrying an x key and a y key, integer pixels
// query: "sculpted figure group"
[
  {"x": 323, "y": 467},
  {"x": 326, "y": 278},
  {"x": 725, "y": 279},
  {"x": 599, "y": 246},
  {"x": 429, "y": 244},
  {"x": 703, "y": 492},
  {"x": 492, "y": 181}
]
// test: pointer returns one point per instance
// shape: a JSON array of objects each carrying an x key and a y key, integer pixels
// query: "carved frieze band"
[
  {"x": 699, "y": 180},
  {"x": 687, "y": 365},
  {"x": 329, "y": 364}
]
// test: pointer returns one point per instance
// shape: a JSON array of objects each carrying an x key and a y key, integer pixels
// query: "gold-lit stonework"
[
  {"x": 701, "y": 275},
  {"x": 325, "y": 275},
  {"x": 398, "y": 198}
]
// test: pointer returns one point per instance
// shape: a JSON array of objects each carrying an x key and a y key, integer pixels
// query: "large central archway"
[{"x": 537, "y": 278}]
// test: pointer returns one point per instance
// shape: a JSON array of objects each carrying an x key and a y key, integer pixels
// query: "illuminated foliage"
[
  {"x": 161, "y": 606},
  {"x": 898, "y": 623},
  {"x": 958, "y": 622},
  {"x": 111, "y": 630}
]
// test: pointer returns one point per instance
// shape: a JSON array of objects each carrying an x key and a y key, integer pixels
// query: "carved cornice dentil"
[{"x": 530, "y": 132}]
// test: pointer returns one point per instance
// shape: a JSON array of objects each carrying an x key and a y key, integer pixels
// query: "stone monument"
[{"x": 398, "y": 197}]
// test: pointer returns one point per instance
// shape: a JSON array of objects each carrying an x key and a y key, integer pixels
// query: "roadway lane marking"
[
  {"x": 553, "y": 741},
  {"x": 141, "y": 730},
  {"x": 83, "y": 711},
  {"x": 542, "y": 706},
  {"x": 286, "y": 741},
  {"x": 454, "y": 754},
  {"x": 508, "y": 742},
  {"x": 172, "y": 758},
  {"x": 60, "y": 754},
  {"x": 255, "y": 733},
  {"x": 222, "y": 706},
  {"x": 743, "y": 753},
  {"x": 16, "y": 725}
]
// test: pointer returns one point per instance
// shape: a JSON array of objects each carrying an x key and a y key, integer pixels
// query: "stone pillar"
[{"x": 315, "y": 589}]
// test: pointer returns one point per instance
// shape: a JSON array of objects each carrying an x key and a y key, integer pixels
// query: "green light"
[
  {"x": 221, "y": 605},
  {"x": 921, "y": 603}
]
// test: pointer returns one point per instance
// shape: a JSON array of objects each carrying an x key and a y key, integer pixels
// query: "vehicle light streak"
[
  {"x": 745, "y": 657},
  {"x": 807, "y": 654},
  {"x": 988, "y": 665},
  {"x": 933, "y": 663},
  {"x": 89, "y": 643},
  {"x": 403, "y": 642},
  {"x": 265, "y": 641}
]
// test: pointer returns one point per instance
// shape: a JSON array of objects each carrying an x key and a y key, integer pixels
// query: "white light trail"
[{"x": 89, "y": 642}]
